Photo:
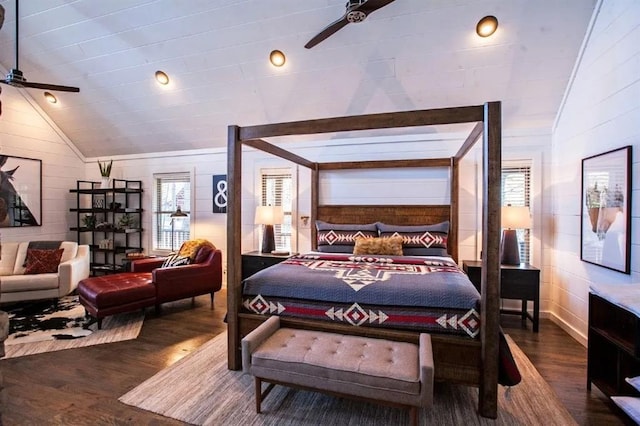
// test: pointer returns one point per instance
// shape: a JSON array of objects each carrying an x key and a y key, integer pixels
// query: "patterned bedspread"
[{"x": 428, "y": 294}]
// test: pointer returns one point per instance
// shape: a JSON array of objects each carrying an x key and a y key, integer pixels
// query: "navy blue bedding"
[{"x": 402, "y": 292}]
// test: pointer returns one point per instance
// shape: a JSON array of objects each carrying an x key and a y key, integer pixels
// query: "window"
[
  {"x": 172, "y": 190},
  {"x": 516, "y": 190},
  {"x": 277, "y": 191}
]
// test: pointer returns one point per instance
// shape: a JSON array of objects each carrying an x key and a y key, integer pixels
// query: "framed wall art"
[
  {"x": 219, "y": 193},
  {"x": 20, "y": 191},
  {"x": 605, "y": 237}
]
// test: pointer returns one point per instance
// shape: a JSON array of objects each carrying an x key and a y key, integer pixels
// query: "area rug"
[
  {"x": 42, "y": 326},
  {"x": 200, "y": 390}
]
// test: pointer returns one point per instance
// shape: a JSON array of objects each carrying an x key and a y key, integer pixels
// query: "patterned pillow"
[
  {"x": 384, "y": 246},
  {"x": 175, "y": 259},
  {"x": 340, "y": 238},
  {"x": 419, "y": 240},
  {"x": 190, "y": 247},
  {"x": 41, "y": 261}
]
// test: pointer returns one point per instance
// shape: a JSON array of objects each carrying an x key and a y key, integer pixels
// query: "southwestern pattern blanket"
[{"x": 428, "y": 294}]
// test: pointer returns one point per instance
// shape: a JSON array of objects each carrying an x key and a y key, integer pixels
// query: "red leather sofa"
[{"x": 150, "y": 285}]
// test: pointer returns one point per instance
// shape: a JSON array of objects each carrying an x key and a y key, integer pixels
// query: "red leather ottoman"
[{"x": 114, "y": 294}]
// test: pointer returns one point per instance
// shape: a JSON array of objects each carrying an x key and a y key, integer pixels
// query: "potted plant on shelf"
[{"x": 105, "y": 172}]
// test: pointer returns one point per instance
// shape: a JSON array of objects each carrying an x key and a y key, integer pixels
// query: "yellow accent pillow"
[
  {"x": 190, "y": 247},
  {"x": 385, "y": 246}
]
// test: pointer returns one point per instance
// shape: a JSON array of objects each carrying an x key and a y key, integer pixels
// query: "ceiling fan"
[
  {"x": 357, "y": 11},
  {"x": 15, "y": 77}
]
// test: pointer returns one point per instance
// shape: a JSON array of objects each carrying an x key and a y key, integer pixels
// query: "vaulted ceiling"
[{"x": 411, "y": 54}]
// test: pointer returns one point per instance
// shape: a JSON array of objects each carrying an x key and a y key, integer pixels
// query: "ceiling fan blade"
[
  {"x": 373, "y": 5},
  {"x": 328, "y": 31},
  {"x": 45, "y": 86},
  {"x": 16, "y": 78}
]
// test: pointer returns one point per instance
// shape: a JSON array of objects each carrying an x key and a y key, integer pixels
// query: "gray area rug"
[
  {"x": 199, "y": 389},
  {"x": 39, "y": 327}
]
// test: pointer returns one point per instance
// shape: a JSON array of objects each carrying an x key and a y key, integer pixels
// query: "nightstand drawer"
[
  {"x": 519, "y": 284},
  {"x": 253, "y": 262}
]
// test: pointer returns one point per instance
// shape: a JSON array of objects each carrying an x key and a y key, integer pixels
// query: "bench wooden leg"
[
  {"x": 261, "y": 395},
  {"x": 413, "y": 416},
  {"x": 99, "y": 323},
  {"x": 212, "y": 300},
  {"x": 258, "y": 394}
]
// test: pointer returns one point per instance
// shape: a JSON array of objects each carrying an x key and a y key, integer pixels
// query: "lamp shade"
[
  {"x": 178, "y": 213},
  {"x": 516, "y": 217},
  {"x": 269, "y": 215}
]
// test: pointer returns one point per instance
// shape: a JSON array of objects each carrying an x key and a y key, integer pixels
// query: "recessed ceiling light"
[
  {"x": 162, "y": 77},
  {"x": 277, "y": 58},
  {"x": 487, "y": 26},
  {"x": 50, "y": 97}
]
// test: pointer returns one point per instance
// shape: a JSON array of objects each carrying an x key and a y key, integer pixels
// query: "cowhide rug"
[{"x": 38, "y": 321}]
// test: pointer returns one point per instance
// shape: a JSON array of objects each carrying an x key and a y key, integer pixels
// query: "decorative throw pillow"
[
  {"x": 175, "y": 259},
  {"x": 384, "y": 246},
  {"x": 43, "y": 261},
  {"x": 419, "y": 240},
  {"x": 341, "y": 238},
  {"x": 190, "y": 247}
]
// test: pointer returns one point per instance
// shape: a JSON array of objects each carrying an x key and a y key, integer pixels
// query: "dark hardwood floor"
[{"x": 82, "y": 386}]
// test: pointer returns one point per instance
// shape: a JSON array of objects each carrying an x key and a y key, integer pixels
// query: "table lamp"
[
  {"x": 178, "y": 214},
  {"x": 268, "y": 216},
  {"x": 513, "y": 217}
]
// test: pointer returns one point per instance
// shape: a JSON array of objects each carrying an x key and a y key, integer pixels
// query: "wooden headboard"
[{"x": 393, "y": 215}]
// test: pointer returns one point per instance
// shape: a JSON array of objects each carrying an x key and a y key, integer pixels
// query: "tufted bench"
[
  {"x": 114, "y": 294},
  {"x": 384, "y": 371}
]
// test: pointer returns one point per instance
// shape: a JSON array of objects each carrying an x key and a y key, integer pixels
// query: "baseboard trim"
[{"x": 571, "y": 331}]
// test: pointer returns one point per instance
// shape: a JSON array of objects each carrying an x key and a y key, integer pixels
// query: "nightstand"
[
  {"x": 255, "y": 261},
  {"x": 521, "y": 282}
]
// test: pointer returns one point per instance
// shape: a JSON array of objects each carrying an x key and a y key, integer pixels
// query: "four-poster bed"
[{"x": 457, "y": 359}]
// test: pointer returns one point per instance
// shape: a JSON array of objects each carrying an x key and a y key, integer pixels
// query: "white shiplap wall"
[
  {"x": 25, "y": 131},
  {"x": 601, "y": 113},
  {"x": 201, "y": 165}
]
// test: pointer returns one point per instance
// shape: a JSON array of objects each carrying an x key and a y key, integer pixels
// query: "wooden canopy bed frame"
[{"x": 457, "y": 359}]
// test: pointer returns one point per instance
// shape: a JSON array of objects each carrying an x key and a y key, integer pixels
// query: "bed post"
[
  {"x": 315, "y": 184},
  {"x": 454, "y": 176},
  {"x": 234, "y": 241},
  {"x": 490, "y": 312}
]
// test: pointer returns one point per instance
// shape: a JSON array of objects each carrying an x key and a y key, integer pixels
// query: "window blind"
[
  {"x": 277, "y": 191},
  {"x": 172, "y": 190},
  {"x": 516, "y": 191}
]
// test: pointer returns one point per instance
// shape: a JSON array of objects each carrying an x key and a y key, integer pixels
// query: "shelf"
[
  {"x": 106, "y": 267},
  {"x": 612, "y": 352},
  {"x": 99, "y": 191},
  {"x": 103, "y": 210},
  {"x": 109, "y": 230},
  {"x": 120, "y": 249},
  {"x": 614, "y": 338}
]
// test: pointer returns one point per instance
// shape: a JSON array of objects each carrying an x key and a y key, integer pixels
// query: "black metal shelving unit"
[{"x": 109, "y": 206}]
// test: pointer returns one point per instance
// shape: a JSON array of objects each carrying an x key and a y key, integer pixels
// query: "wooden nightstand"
[
  {"x": 521, "y": 282},
  {"x": 255, "y": 261}
]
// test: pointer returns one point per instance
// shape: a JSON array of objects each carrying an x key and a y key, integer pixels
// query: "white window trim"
[
  {"x": 276, "y": 165},
  {"x": 152, "y": 219},
  {"x": 533, "y": 159}
]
